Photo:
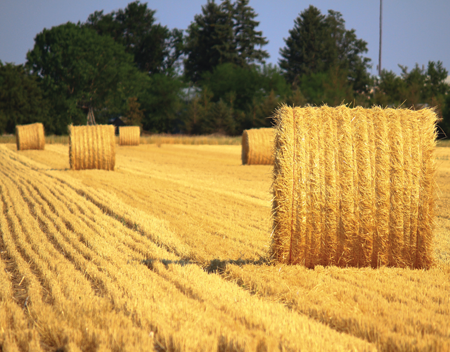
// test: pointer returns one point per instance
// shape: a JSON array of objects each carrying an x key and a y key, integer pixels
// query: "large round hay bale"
[
  {"x": 257, "y": 146},
  {"x": 129, "y": 135},
  {"x": 92, "y": 147},
  {"x": 30, "y": 136},
  {"x": 354, "y": 187}
]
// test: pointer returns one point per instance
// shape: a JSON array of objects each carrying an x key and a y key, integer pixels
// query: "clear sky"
[{"x": 414, "y": 31}]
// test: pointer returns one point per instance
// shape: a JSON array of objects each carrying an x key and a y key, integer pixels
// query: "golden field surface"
[{"x": 169, "y": 253}]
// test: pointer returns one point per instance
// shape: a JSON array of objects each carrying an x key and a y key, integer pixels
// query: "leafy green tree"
[
  {"x": 134, "y": 114},
  {"x": 80, "y": 69},
  {"x": 231, "y": 80},
  {"x": 224, "y": 33},
  {"x": 241, "y": 85},
  {"x": 390, "y": 90},
  {"x": 318, "y": 43},
  {"x": 21, "y": 99},
  {"x": 196, "y": 113},
  {"x": 161, "y": 100},
  {"x": 155, "y": 48}
]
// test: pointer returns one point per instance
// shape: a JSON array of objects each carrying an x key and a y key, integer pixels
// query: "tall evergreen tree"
[
  {"x": 247, "y": 38},
  {"x": 307, "y": 50},
  {"x": 318, "y": 43},
  {"x": 224, "y": 33},
  {"x": 209, "y": 41}
]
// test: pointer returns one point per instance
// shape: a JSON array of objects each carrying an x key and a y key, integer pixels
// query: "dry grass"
[
  {"x": 92, "y": 147},
  {"x": 129, "y": 135},
  {"x": 30, "y": 136},
  {"x": 82, "y": 239},
  {"x": 257, "y": 146},
  {"x": 354, "y": 187},
  {"x": 157, "y": 139},
  {"x": 73, "y": 257}
]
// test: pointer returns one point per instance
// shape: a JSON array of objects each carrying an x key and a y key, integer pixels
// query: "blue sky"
[{"x": 414, "y": 31}]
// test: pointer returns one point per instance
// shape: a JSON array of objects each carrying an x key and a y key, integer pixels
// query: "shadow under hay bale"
[
  {"x": 30, "y": 136},
  {"x": 354, "y": 187},
  {"x": 257, "y": 146},
  {"x": 92, "y": 147},
  {"x": 129, "y": 135}
]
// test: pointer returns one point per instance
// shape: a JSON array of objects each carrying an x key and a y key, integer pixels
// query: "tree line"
[{"x": 210, "y": 78}]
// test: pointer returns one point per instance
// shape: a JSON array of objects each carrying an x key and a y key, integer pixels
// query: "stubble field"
[{"x": 169, "y": 252}]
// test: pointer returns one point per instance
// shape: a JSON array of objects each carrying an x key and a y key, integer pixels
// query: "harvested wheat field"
[{"x": 169, "y": 253}]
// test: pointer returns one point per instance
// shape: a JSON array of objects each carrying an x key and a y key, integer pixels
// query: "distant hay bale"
[
  {"x": 257, "y": 146},
  {"x": 129, "y": 135},
  {"x": 354, "y": 187},
  {"x": 30, "y": 136},
  {"x": 92, "y": 147}
]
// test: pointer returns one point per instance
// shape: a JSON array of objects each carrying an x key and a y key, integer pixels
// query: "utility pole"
[{"x": 381, "y": 32}]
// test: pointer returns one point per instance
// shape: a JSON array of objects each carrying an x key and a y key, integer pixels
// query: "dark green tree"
[
  {"x": 21, "y": 99},
  {"x": 307, "y": 49},
  {"x": 79, "y": 69},
  {"x": 134, "y": 114},
  {"x": 246, "y": 37},
  {"x": 209, "y": 41},
  {"x": 224, "y": 33},
  {"x": 390, "y": 90},
  {"x": 155, "y": 48},
  {"x": 319, "y": 43},
  {"x": 161, "y": 101}
]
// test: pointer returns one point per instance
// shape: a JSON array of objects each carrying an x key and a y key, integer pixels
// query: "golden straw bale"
[
  {"x": 92, "y": 147},
  {"x": 257, "y": 146},
  {"x": 129, "y": 135},
  {"x": 353, "y": 187},
  {"x": 30, "y": 136}
]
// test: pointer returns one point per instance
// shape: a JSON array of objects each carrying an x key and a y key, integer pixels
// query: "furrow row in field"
[
  {"x": 393, "y": 308},
  {"x": 29, "y": 294},
  {"x": 283, "y": 327},
  {"x": 181, "y": 195},
  {"x": 229, "y": 237},
  {"x": 185, "y": 199},
  {"x": 76, "y": 288},
  {"x": 15, "y": 332},
  {"x": 67, "y": 259}
]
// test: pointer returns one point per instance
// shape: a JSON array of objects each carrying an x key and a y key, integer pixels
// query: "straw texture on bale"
[
  {"x": 92, "y": 147},
  {"x": 129, "y": 135},
  {"x": 257, "y": 146},
  {"x": 30, "y": 136},
  {"x": 354, "y": 187}
]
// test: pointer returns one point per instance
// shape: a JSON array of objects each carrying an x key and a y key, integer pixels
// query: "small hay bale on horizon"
[
  {"x": 257, "y": 146},
  {"x": 30, "y": 136},
  {"x": 92, "y": 147},
  {"x": 354, "y": 187},
  {"x": 129, "y": 135}
]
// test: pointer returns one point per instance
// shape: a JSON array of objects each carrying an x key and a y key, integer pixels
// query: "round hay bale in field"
[
  {"x": 257, "y": 146},
  {"x": 354, "y": 187},
  {"x": 92, "y": 147},
  {"x": 129, "y": 135},
  {"x": 30, "y": 136}
]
